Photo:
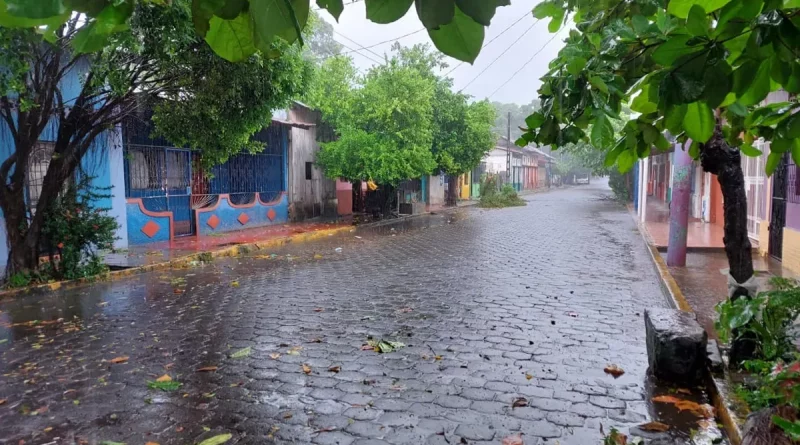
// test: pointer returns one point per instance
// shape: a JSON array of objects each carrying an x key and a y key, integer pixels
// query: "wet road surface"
[{"x": 492, "y": 306}]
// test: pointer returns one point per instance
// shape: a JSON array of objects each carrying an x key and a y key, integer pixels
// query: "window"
[
  {"x": 38, "y": 163},
  {"x": 309, "y": 166}
]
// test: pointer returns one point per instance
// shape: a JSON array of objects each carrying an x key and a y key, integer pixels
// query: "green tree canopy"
[{"x": 384, "y": 121}]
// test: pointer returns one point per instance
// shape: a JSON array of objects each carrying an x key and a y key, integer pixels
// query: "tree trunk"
[
  {"x": 452, "y": 190},
  {"x": 721, "y": 159}
]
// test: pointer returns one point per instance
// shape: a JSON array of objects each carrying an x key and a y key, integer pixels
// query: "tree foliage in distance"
[
  {"x": 384, "y": 121},
  {"x": 675, "y": 63},
  {"x": 237, "y": 29},
  {"x": 320, "y": 43},
  {"x": 50, "y": 92},
  {"x": 518, "y": 115},
  {"x": 461, "y": 130}
]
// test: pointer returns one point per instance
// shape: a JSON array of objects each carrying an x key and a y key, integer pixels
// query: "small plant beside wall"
[
  {"x": 766, "y": 323},
  {"x": 493, "y": 196},
  {"x": 75, "y": 233}
]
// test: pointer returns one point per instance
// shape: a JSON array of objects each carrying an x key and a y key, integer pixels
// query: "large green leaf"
[
  {"x": 13, "y": 21},
  {"x": 576, "y": 65},
  {"x": 217, "y": 440},
  {"x": 335, "y": 7},
  {"x": 481, "y": 11},
  {"x": 95, "y": 35},
  {"x": 387, "y": 11},
  {"x": 231, "y": 39},
  {"x": 773, "y": 160},
  {"x": 790, "y": 128},
  {"x": 699, "y": 122},
  {"x": 625, "y": 160},
  {"x": 697, "y": 23},
  {"x": 35, "y": 9},
  {"x": 202, "y": 11},
  {"x": 602, "y": 136},
  {"x": 274, "y": 18},
  {"x": 668, "y": 52},
  {"x": 435, "y": 13},
  {"x": 759, "y": 86},
  {"x": 681, "y": 8},
  {"x": 461, "y": 39},
  {"x": 749, "y": 150},
  {"x": 230, "y": 9}
]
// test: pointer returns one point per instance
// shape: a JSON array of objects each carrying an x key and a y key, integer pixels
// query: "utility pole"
[{"x": 508, "y": 149}]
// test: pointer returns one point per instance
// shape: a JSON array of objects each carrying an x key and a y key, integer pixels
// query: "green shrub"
[
  {"x": 765, "y": 319},
  {"x": 492, "y": 196},
  {"x": 19, "y": 279},
  {"x": 619, "y": 185},
  {"x": 75, "y": 231}
]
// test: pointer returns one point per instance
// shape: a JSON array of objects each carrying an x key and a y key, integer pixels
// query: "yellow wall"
[
  {"x": 466, "y": 184},
  {"x": 763, "y": 238},
  {"x": 791, "y": 249}
]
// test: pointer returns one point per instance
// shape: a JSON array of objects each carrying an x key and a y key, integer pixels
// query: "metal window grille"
[{"x": 38, "y": 163}]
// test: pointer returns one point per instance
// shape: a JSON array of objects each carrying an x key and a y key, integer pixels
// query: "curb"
[
  {"x": 717, "y": 388},
  {"x": 180, "y": 261}
]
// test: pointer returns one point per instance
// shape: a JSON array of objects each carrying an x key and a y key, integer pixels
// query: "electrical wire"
[
  {"x": 360, "y": 47},
  {"x": 526, "y": 63},
  {"x": 492, "y": 40},
  {"x": 391, "y": 40},
  {"x": 491, "y": 64}
]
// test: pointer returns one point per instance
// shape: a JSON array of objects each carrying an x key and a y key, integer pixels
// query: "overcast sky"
[{"x": 354, "y": 25}]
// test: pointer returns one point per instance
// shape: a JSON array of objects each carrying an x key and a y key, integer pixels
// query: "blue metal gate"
[{"x": 161, "y": 177}]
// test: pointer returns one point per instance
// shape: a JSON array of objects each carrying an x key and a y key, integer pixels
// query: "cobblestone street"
[{"x": 492, "y": 306}]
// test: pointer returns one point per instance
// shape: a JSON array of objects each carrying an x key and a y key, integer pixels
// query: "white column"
[{"x": 640, "y": 192}]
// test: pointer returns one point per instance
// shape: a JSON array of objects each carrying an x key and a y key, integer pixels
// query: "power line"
[
  {"x": 359, "y": 45},
  {"x": 526, "y": 63},
  {"x": 492, "y": 40},
  {"x": 392, "y": 40},
  {"x": 491, "y": 64},
  {"x": 356, "y": 51}
]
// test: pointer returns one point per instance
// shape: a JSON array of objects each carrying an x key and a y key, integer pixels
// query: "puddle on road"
[{"x": 682, "y": 409}]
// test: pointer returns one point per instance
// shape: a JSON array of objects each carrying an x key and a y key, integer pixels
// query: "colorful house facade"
[{"x": 169, "y": 195}]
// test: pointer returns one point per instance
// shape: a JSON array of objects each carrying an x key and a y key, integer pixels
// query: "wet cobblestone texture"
[{"x": 529, "y": 302}]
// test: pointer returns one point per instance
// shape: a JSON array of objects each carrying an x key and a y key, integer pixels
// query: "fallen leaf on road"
[
  {"x": 50, "y": 428},
  {"x": 528, "y": 376},
  {"x": 208, "y": 369},
  {"x": 122, "y": 359},
  {"x": 164, "y": 378},
  {"x": 217, "y": 440},
  {"x": 109, "y": 442},
  {"x": 437, "y": 358},
  {"x": 513, "y": 440},
  {"x": 152, "y": 443},
  {"x": 235, "y": 283},
  {"x": 275, "y": 356},
  {"x": 367, "y": 348},
  {"x": 654, "y": 426},
  {"x": 317, "y": 256},
  {"x": 405, "y": 310},
  {"x": 242, "y": 353},
  {"x": 287, "y": 416},
  {"x": 519, "y": 402},
  {"x": 325, "y": 430},
  {"x": 316, "y": 340},
  {"x": 614, "y": 370},
  {"x": 294, "y": 350},
  {"x": 179, "y": 429},
  {"x": 573, "y": 315},
  {"x": 3, "y": 401},
  {"x": 704, "y": 410},
  {"x": 178, "y": 291},
  {"x": 318, "y": 309},
  {"x": 334, "y": 369},
  {"x": 306, "y": 369}
]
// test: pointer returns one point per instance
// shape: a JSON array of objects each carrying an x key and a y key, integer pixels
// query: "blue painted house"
[
  {"x": 103, "y": 162},
  {"x": 168, "y": 195}
]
